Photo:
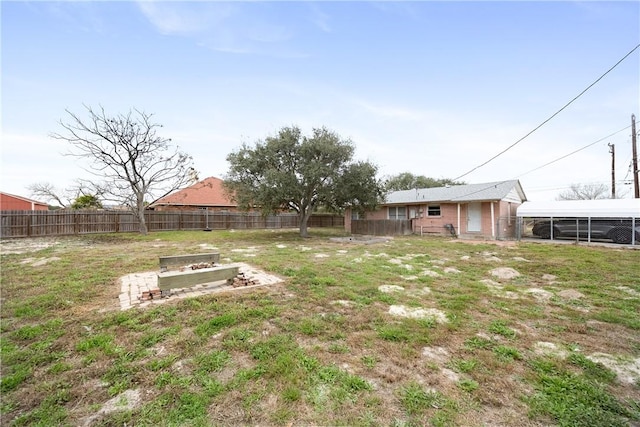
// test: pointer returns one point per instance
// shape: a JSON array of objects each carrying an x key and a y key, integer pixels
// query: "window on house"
[
  {"x": 433, "y": 210},
  {"x": 397, "y": 212},
  {"x": 355, "y": 215}
]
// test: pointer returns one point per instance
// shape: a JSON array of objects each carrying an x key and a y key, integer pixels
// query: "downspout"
[
  {"x": 493, "y": 223},
  {"x": 458, "y": 219}
]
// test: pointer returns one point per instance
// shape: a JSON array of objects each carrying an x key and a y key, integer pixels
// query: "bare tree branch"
[
  {"x": 585, "y": 192},
  {"x": 125, "y": 151},
  {"x": 66, "y": 197},
  {"x": 47, "y": 192}
]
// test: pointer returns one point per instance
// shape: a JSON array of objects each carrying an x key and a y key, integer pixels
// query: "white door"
[{"x": 474, "y": 218}]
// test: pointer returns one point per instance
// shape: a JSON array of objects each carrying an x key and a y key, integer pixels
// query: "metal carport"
[{"x": 627, "y": 209}]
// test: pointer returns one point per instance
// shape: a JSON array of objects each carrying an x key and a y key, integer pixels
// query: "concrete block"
[
  {"x": 182, "y": 260},
  {"x": 186, "y": 279}
]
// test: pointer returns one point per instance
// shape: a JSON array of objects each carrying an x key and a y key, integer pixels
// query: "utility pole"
[
  {"x": 612, "y": 150},
  {"x": 636, "y": 185}
]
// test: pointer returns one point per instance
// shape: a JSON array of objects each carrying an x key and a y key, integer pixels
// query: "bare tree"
[
  {"x": 126, "y": 152},
  {"x": 47, "y": 192},
  {"x": 585, "y": 192}
]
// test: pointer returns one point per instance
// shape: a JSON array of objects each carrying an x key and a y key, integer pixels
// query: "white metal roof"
[{"x": 606, "y": 208}]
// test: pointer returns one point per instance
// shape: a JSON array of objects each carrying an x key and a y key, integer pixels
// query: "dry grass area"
[{"x": 411, "y": 331}]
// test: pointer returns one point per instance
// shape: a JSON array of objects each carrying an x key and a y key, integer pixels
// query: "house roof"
[
  {"x": 208, "y": 192},
  {"x": 500, "y": 190},
  {"x": 23, "y": 198},
  {"x": 606, "y": 208}
]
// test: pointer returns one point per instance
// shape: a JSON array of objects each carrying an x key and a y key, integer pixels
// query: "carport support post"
[
  {"x": 550, "y": 228},
  {"x": 636, "y": 177}
]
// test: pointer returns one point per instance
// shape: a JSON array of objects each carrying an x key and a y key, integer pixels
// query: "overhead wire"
[
  {"x": 574, "y": 152},
  {"x": 495, "y": 184},
  {"x": 629, "y": 168},
  {"x": 551, "y": 117}
]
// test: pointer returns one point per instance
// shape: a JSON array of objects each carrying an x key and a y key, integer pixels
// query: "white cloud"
[
  {"x": 175, "y": 18},
  {"x": 392, "y": 112},
  {"x": 319, "y": 18},
  {"x": 221, "y": 27}
]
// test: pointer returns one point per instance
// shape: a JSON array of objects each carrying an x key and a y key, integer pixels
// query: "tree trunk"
[
  {"x": 142, "y": 224},
  {"x": 304, "y": 219}
]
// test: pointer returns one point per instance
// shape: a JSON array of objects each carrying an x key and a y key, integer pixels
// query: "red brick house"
[
  {"x": 11, "y": 202},
  {"x": 485, "y": 210},
  {"x": 207, "y": 194}
]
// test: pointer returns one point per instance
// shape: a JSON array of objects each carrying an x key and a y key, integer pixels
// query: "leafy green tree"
[
  {"x": 290, "y": 171},
  {"x": 86, "y": 201},
  {"x": 408, "y": 181}
]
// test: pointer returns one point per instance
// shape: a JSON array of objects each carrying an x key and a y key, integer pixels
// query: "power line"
[
  {"x": 551, "y": 117},
  {"x": 546, "y": 164},
  {"x": 629, "y": 169},
  {"x": 574, "y": 152},
  {"x": 567, "y": 186}
]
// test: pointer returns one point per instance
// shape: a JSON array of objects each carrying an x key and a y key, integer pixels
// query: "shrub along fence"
[{"x": 63, "y": 222}]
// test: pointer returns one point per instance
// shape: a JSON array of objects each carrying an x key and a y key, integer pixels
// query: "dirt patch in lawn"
[
  {"x": 34, "y": 244},
  {"x": 126, "y": 401},
  {"x": 418, "y": 313},
  {"x": 500, "y": 243},
  {"x": 362, "y": 240},
  {"x": 38, "y": 262},
  {"x": 23, "y": 246},
  {"x": 627, "y": 370}
]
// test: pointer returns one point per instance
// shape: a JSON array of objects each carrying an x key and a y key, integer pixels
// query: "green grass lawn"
[{"x": 556, "y": 345}]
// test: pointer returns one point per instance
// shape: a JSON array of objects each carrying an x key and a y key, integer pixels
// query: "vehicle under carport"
[{"x": 612, "y": 220}]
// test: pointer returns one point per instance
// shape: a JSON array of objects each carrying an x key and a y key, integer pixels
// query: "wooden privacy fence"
[
  {"x": 62, "y": 222},
  {"x": 381, "y": 227}
]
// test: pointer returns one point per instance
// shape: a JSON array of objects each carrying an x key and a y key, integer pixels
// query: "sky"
[{"x": 426, "y": 87}]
